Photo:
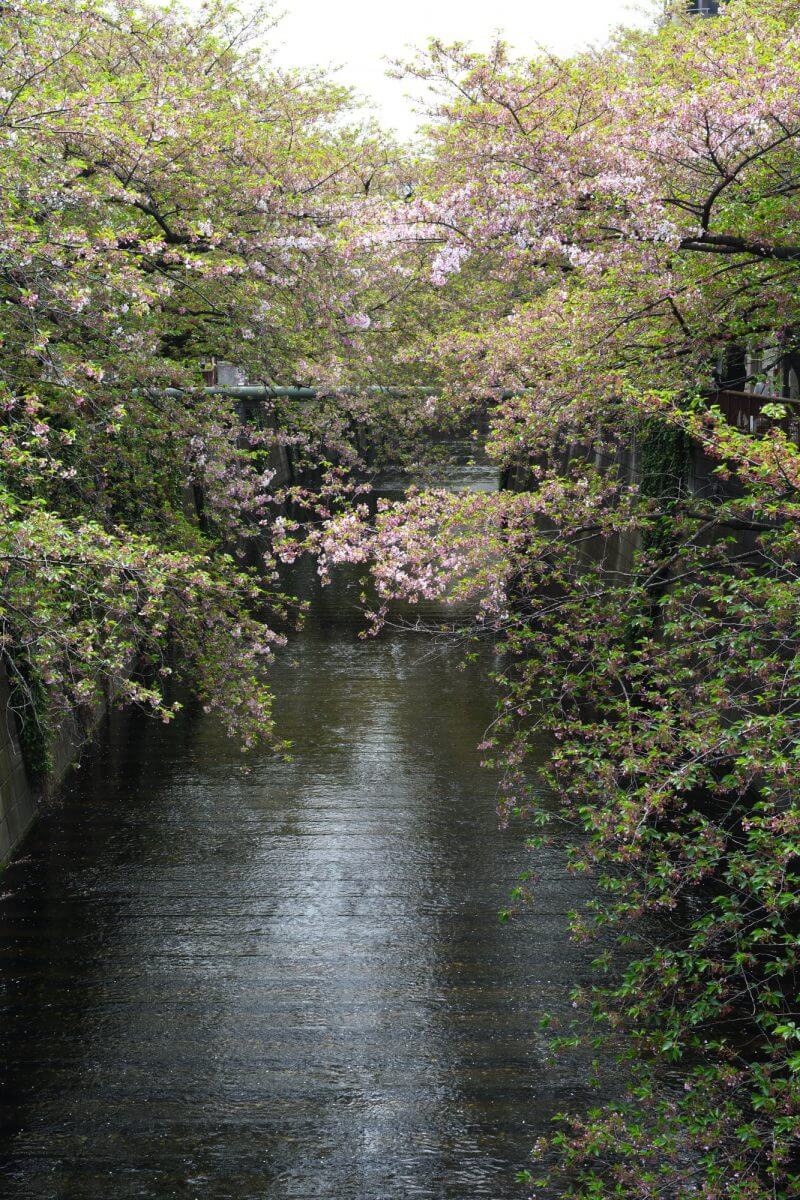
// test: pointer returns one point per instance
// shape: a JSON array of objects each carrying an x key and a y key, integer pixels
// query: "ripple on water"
[{"x": 291, "y": 983}]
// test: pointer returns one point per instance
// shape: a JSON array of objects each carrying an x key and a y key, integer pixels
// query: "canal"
[{"x": 290, "y": 982}]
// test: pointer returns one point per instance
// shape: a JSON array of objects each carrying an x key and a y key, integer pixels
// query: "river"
[{"x": 290, "y": 982}]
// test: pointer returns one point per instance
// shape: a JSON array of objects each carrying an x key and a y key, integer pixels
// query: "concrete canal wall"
[
  {"x": 22, "y": 797},
  {"x": 698, "y": 479},
  {"x": 18, "y": 801}
]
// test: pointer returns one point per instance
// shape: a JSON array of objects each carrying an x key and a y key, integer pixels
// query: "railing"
[
  {"x": 704, "y": 8},
  {"x": 743, "y": 410},
  {"x": 273, "y": 392}
]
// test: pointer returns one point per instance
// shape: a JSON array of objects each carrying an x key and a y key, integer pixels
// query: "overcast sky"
[{"x": 356, "y": 35}]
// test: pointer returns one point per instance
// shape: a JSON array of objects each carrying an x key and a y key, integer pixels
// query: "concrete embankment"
[
  {"x": 22, "y": 796},
  {"x": 697, "y": 479}
]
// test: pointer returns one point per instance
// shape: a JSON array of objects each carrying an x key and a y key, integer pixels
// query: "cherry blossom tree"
[
  {"x": 167, "y": 196},
  {"x": 605, "y": 233}
]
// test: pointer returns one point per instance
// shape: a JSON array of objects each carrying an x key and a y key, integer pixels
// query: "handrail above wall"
[{"x": 743, "y": 409}]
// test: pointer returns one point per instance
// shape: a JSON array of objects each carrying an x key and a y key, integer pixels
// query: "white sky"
[{"x": 357, "y": 35}]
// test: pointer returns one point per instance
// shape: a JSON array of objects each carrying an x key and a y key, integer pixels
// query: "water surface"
[{"x": 288, "y": 983}]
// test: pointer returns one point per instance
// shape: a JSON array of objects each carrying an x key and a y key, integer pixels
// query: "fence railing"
[{"x": 743, "y": 410}]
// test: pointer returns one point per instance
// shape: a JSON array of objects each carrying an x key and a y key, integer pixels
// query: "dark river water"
[{"x": 293, "y": 982}]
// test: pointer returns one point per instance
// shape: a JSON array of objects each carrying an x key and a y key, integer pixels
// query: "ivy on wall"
[{"x": 29, "y": 704}]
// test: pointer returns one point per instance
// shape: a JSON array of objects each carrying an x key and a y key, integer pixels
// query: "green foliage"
[{"x": 663, "y": 452}]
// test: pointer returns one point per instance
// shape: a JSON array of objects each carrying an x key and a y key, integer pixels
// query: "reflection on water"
[{"x": 288, "y": 983}]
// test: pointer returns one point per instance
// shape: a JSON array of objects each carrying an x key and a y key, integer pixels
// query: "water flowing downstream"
[{"x": 293, "y": 982}]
